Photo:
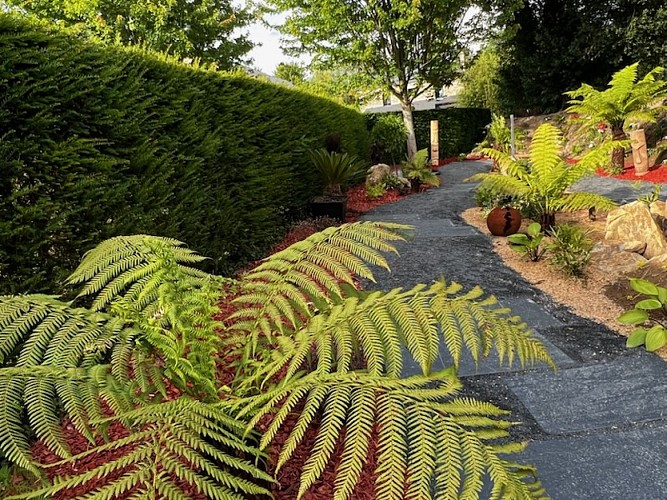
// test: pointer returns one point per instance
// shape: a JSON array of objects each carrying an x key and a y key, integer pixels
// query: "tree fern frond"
[
  {"x": 160, "y": 440},
  {"x": 310, "y": 272},
  {"x": 425, "y": 434}
]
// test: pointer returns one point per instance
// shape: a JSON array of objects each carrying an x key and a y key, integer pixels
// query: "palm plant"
[
  {"x": 307, "y": 342},
  {"x": 542, "y": 184},
  {"x": 336, "y": 169},
  {"x": 624, "y": 102}
]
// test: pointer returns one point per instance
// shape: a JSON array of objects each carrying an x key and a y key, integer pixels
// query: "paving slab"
[
  {"x": 615, "y": 466},
  {"x": 626, "y": 390},
  {"x": 489, "y": 365}
]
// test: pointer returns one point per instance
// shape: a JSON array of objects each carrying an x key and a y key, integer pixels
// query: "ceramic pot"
[{"x": 503, "y": 221}]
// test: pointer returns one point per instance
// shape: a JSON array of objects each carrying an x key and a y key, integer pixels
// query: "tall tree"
[
  {"x": 550, "y": 46},
  {"x": 206, "y": 30},
  {"x": 405, "y": 46},
  {"x": 291, "y": 72}
]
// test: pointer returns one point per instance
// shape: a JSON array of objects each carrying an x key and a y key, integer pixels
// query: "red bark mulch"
[{"x": 657, "y": 174}]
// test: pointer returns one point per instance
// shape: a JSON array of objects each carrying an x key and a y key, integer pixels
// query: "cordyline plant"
[
  {"x": 542, "y": 184},
  {"x": 624, "y": 102},
  {"x": 310, "y": 344}
]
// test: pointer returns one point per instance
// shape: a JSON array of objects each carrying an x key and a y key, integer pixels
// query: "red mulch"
[{"x": 656, "y": 174}]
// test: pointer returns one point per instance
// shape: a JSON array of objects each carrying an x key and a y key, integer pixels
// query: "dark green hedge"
[
  {"x": 459, "y": 129},
  {"x": 97, "y": 141}
]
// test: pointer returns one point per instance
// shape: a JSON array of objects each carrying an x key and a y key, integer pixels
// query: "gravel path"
[{"x": 598, "y": 427}]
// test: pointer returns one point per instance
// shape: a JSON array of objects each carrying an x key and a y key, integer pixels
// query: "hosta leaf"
[
  {"x": 656, "y": 337},
  {"x": 644, "y": 286},
  {"x": 637, "y": 338},
  {"x": 648, "y": 304},
  {"x": 633, "y": 317}
]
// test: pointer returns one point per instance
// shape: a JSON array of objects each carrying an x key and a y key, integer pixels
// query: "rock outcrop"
[{"x": 634, "y": 222}]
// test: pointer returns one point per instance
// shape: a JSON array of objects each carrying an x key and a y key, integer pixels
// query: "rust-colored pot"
[{"x": 503, "y": 221}]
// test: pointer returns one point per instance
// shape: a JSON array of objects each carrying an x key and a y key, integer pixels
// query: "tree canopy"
[
  {"x": 405, "y": 46},
  {"x": 195, "y": 29}
]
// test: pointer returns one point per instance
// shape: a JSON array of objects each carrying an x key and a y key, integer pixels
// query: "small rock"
[
  {"x": 377, "y": 173},
  {"x": 633, "y": 246},
  {"x": 621, "y": 263}
]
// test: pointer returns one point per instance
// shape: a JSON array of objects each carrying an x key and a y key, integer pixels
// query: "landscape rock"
[
  {"x": 633, "y": 246},
  {"x": 620, "y": 262},
  {"x": 635, "y": 222},
  {"x": 377, "y": 173},
  {"x": 660, "y": 260}
]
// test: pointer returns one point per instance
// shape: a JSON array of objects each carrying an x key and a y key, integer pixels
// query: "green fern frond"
[
  {"x": 182, "y": 440},
  {"x": 385, "y": 325},
  {"x": 426, "y": 436},
  {"x": 311, "y": 272},
  {"x": 111, "y": 268}
]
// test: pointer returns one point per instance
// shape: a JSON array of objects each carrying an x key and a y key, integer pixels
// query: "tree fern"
[
  {"x": 544, "y": 182},
  {"x": 624, "y": 102},
  {"x": 427, "y": 437},
  {"x": 328, "y": 351}
]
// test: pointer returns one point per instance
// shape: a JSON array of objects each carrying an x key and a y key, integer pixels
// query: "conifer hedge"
[
  {"x": 459, "y": 129},
  {"x": 97, "y": 141}
]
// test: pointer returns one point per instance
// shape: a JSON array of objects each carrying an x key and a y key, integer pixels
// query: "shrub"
[
  {"x": 303, "y": 342},
  {"x": 418, "y": 171},
  {"x": 388, "y": 142},
  {"x": 98, "y": 141},
  {"x": 529, "y": 244},
  {"x": 570, "y": 249}
]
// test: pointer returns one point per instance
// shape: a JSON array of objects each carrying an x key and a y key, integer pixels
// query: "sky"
[{"x": 267, "y": 56}]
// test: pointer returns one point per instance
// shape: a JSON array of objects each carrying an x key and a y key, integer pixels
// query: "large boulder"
[
  {"x": 634, "y": 222},
  {"x": 377, "y": 174}
]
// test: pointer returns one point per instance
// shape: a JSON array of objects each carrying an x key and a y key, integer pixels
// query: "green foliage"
[
  {"x": 337, "y": 170},
  {"x": 418, "y": 171},
  {"x": 99, "y": 141},
  {"x": 406, "y": 47},
  {"x": 499, "y": 135},
  {"x": 459, "y": 129},
  {"x": 375, "y": 190},
  {"x": 650, "y": 313},
  {"x": 200, "y": 29},
  {"x": 480, "y": 82},
  {"x": 529, "y": 244},
  {"x": 339, "y": 352},
  {"x": 570, "y": 249},
  {"x": 388, "y": 139},
  {"x": 542, "y": 184},
  {"x": 291, "y": 72}
]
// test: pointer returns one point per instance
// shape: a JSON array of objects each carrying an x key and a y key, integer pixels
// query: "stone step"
[
  {"x": 604, "y": 466},
  {"x": 629, "y": 389}
]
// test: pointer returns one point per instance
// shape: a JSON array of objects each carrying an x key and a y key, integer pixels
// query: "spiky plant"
[
  {"x": 624, "y": 102},
  {"x": 310, "y": 343},
  {"x": 418, "y": 171},
  {"x": 337, "y": 170},
  {"x": 542, "y": 184}
]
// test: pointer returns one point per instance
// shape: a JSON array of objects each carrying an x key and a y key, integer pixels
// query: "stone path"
[{"x": 597, "y": 427}]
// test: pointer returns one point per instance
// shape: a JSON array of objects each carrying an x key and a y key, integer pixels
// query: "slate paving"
[{"x": 598, "y": 426}]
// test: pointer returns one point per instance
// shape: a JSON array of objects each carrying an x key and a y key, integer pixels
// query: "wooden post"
[
  {"x": 639, "y": 152},
  {"x": 512, "y": 138},
  {"x": 435, "y": 145}
]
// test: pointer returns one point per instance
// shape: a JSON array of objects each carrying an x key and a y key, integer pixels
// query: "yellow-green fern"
[{"x": 543, "y": 184}]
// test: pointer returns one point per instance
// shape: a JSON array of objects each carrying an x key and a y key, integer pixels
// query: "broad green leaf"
[
  {"x": 662, "y": 294},
  {"x": 637, "y": 338},
  {"x": 518, "y": 239},
  {"x": 633, "y": 317},
  {"x": 534, "y": 229},
  {"x": 648, "y": 304},
  {"x": 656, "y": 337},
  {"x": 644, "y": 286}
]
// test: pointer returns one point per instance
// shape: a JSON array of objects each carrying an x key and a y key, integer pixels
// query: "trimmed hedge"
[
  {"x": 459, "y": 129},
  {"x": 97, "y": 141}
]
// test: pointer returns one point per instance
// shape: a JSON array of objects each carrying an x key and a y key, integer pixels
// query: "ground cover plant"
[{"x": 141, "y": 348}]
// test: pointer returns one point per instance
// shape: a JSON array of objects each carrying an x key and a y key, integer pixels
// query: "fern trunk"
[
  {"x": 618, "y": 154},
  {"x": 548, "y": 222}
]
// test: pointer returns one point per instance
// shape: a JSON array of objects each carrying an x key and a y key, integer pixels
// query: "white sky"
[{"x": 267, "y": 56}]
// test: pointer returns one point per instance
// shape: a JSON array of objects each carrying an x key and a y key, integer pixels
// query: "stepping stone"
[
  {"x": 531, "y": 312},
  {"x": 626, "y": 390},
  {"x": 486, "y": 366},
  {"x": 609, "y": 466}
]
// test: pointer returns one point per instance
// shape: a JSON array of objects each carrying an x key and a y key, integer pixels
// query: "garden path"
[{"x": 598, "y": 426}]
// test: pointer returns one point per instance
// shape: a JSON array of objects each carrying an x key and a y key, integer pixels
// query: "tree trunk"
[
  {"x": 548, "y": 222},
  {"x": 406, "y": 108},
  {"x": 618, "y": 154}
]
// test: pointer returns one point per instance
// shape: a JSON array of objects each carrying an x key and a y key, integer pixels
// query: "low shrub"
[{"x": 570, "y": 249}]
